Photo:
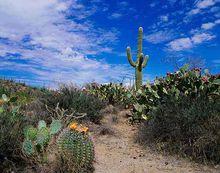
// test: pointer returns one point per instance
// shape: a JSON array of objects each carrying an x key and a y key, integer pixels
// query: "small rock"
[{"x": 216, "y": 166}]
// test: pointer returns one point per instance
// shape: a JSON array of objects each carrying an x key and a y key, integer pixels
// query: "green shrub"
[
  {"x": 183, "y": 83},
  {"x": 3, "y": 90},
  {"x": 190, "y": 127},
  {"x": 114, "y": 94},
  {"x": 11, "y": 126},
  {"x": 75, "y": 100},
  {"x": 183, "y": 114}
]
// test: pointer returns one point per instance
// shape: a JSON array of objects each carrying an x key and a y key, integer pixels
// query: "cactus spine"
[
  {"x": 141, "y": 61},
  {"x": 76, "y": 150}
]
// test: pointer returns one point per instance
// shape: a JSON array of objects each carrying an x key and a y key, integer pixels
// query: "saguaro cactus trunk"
[{"x": 141, "y": 61}]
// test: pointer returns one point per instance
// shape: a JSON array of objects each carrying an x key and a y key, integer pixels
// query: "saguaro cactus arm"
[
  {"x": 146, "y": 58},
  {"x": 130, "y": 57}
]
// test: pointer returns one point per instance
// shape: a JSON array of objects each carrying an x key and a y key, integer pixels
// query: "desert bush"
[
  {"x": 3, "y": 90},
  {"x": 189, "y": 127},
  {"x": 30, "y": 99},
  {"x": 183, "y": 83},
  {"x": 115, "y": 94},
  {"x": 13, "y": 88},
  {"x": 12, "y": 123},
  {"x": 182, "y": 113},
  {"x": 75, "y": 100},
  {"x": 25, "y": 138}
]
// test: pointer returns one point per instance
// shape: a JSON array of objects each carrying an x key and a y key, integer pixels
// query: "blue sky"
[{"x": 46, "y": 42}]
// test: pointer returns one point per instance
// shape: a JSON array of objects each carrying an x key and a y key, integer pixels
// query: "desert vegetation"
[
  {"x": 46, "y": 130},
  {"x": 178, "y": 113}
]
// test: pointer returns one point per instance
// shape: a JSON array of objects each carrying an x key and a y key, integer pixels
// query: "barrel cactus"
[
  {"x": 141, "y": 61},
  {"x": 76, "y": 149}
]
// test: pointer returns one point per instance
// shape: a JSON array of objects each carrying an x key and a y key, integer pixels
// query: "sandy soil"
[{"x": 116, "y": 152}]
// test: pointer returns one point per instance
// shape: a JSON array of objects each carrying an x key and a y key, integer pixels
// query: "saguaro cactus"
[{"x": 141, "y": 61}]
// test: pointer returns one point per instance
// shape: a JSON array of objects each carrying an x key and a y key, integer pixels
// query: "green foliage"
[
  {"x": 183, "y": 83},
  {"x": 28, "y": 147},
  {"x": 3, "y": 91},
  {"x": 141, "y": 61},
  {"x": 75, "y": 100},
  {"x": 11, "y": 124},
  {"x": 30, "y": 133},
  {"x": 43, "y": 137},
  {"x": 41, "y": 124},
  {"x": 112, "y": 93},
  {"x": 24, "y": 94},
  {"x": 182, "y": 113},
  {"x": 189, "y": 127},
  {"x": 55, "y": 126},
  {"x": 39, "y": 137},
  {"x": 76, "y": 150}
]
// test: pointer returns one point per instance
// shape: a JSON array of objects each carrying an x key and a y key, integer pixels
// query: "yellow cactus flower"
[
  {"x": 79, "y": 128},
  {"x": 73, "y": 126},
  {"x": 1, "y": 102},
  {"x": 82, "y": 129}
]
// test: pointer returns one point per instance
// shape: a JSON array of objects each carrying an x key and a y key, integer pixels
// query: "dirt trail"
[{"x": 119, "y": 153}]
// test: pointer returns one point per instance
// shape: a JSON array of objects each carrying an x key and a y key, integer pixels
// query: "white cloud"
[
  {"x": 194, "y": 11},
  {"x": 115, "y": 15},
  {"x": 215, "y": 9},
  {"x": 217, "y": 21},
  {"x": 160, "y": 37},
  {"x": 164, "y": 18},
  {"x": 210, "y": 25},
  {"x": 205, "y": 3},
  {"x": 181, "y": 44},
  {"x": 201, "y": 5},
  {"x": 189, "y": 42},
  {"x": 199, "y": 38},
  {"x": 123, "y": 9},
  {"x": 58, "y": 48}
]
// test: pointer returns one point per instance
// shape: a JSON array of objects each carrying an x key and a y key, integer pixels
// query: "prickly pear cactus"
[
  {"x": 55, "y": 127},
  {"x": 76, "y": 148},
  {"x": 28, "y": 147},
  {"x": 37, "y": 139},
  {"x": 41, "y": 124},
  {"x": 30, "y": 133},
  {"x": 43, "y": 137}
]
